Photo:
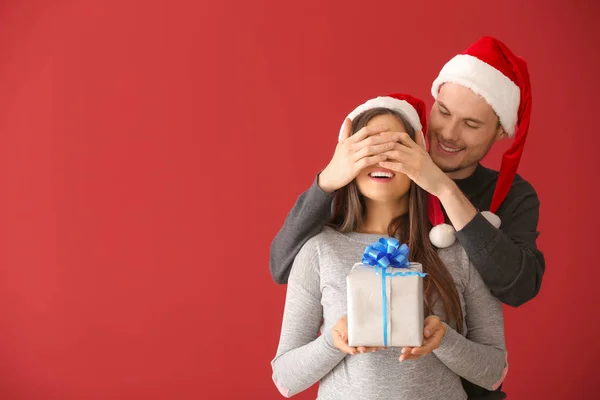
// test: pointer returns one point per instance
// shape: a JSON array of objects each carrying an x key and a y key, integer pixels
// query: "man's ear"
[{"x": 500, "y": 133}]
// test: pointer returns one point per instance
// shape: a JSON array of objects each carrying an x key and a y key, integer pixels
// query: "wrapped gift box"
[{"x": 385, "y": 298}]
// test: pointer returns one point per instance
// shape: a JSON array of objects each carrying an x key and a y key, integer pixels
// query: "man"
[{"x": 482, "y": 96}]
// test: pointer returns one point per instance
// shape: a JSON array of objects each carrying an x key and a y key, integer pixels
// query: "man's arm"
[
  {"x": 507, "y": 258},
  {"x": 307, "y": 218},
  {"x": 312, "y": 210}
]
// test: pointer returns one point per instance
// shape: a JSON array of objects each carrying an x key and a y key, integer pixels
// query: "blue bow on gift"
[
  {"x": 386, "y": 253},
  {"x": 381, "y": 255}
]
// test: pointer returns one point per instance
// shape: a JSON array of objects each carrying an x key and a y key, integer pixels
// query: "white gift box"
[{"x": 385, "y": 310}]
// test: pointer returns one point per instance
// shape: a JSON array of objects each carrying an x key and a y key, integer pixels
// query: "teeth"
[
  {"x": 451, "y": 150},
  {"x": 381, "y": 174}
]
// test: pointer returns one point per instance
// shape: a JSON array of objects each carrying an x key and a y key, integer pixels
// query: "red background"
[{"x": 151, "y": 150}]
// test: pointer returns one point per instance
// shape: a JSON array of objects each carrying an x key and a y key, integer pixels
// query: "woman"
[{"x": 380, "y": 203}]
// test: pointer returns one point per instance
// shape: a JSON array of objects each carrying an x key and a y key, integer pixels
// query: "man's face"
[{"x": 462, "y": 129}]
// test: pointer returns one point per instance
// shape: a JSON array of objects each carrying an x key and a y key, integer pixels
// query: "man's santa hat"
[
  {"x": 492, "y": 71},
  {"x": 414, "y": 111}
]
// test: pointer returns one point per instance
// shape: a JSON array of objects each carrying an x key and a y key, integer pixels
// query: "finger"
[
  {"x": 406, "y": 354},
  {"x": 436, "y": 336},
  {"x": 431, "y": 324},
  {"x": 396, "y": 155},
  {"x": 373, "y": 349},
  {"x": 405, "y": 357},
  {"x": 402, "y": 149},
  {"x": 397, "y": 136},
  {"x": 420, "y": 351},
  {"x": 400, "y": 153},
  {"x": 429, "y": 343},
  {"x": 372, "y": 150},
  {"x": 376, "y": 139},
  {"x": 347, "y": 349},
  {"x": 366, "y": 132},
  {"x": 341, "y": 341},
  {"x": 346, "y": 129},
  {"x": 368, "y": 161},
  {"x": 343, "y": 331},
  {"x": 427, "y": 348},
  {"x": 341, "y": 337},
  {"x": 405, "y": 139},
  {"x": 393, "y": 165}
]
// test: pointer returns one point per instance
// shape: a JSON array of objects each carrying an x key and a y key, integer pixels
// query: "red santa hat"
[
  {"x": 491, "y": 70},
  {"x": 406, "y": 105},
  {"x": 414, "y": 110}
]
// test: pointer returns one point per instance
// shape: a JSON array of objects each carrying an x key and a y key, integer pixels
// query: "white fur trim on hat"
[
  {"x": 492, "y": 218},
  {"x": 442, "y": 236},
  {"x": 502, "y": 94},
  {"x": 401, "y": 106}
]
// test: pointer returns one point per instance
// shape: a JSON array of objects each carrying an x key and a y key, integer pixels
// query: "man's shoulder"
[{"x": 520, "y": 186}]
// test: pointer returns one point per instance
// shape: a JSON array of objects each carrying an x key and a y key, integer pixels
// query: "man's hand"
[
  {"x": 433, "y": 332},
  {"x": 340, "y": 339},
  {"x": 411, "y": 158},
  {"x": 354, "y": 153}
]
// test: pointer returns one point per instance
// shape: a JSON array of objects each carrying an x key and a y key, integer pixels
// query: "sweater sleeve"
[
  {"x": 307, "y": 218},
  {"x": 303, "y": 357},
  {"x": 508, "y": 258},
  {"x": 480, "y": 357}
]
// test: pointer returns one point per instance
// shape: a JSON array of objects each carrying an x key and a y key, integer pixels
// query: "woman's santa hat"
[
  {"x": 414, "y": 111},
  {"x": 492, "y": 71}
]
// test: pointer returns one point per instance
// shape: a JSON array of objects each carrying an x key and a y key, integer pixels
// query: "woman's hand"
[
  {"x": 354, "y": 153},
  {"x": 433, "y": 332},
  {"x": 340, "y": 339}
]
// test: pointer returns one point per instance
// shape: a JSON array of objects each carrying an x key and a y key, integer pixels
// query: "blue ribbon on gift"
[{"x": 381, "y": 255}]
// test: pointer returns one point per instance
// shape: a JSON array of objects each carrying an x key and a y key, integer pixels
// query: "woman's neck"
[{"x": 379, "y": 215}]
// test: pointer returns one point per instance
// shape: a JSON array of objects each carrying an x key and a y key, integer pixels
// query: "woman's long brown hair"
[{"x": 412, "y": 228}]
